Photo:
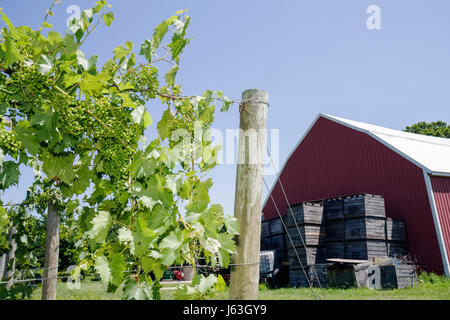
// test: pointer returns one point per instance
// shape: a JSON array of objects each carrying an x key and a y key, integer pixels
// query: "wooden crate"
[
  {"x": 265, "y": 243},
  {"x": 312, "y": 234},
  {"x": 310, "y": 255},
  {"x": 406, "y": 276},
  {"x": 364, "y": 205},
  {"x": 335, "y": 250},
  {"x": 335, "y": 230},
  {"x": 395, "y": 229},
  {"x": 365, "y": 228},
  {"x": 396, "y": 248},
  {"x": 333, "y": 209},
  {"x": 398, "y": 276},
  {"x": 276, "y": 226},
  {"x": 317, "y": 275},
  {"x": 305, "y": 212},
  {"x": 365, "y": 250},
  {"x": 265, "y": 229},
  {"x": 277, "y": 242}
]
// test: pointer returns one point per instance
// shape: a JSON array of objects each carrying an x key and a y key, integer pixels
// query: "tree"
[
  {"x": 79, "y": 126},
  {"x": 437, "y": 129}
]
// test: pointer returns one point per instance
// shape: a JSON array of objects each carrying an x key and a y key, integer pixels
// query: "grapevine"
[{"x": 81, "y": 126}]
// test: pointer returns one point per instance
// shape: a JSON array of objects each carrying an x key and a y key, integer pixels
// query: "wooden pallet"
[
  {"x": 395, "y": 229},
  {"x": 312, "y": 234},
  {"x": 365, "y": 249},
  {"x": 365, "y": 228},
  {"x": 305, "y": 212},
  {"x": 364, "y": 205}
]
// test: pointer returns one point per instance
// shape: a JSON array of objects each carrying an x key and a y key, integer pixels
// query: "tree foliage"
[
  {"x": 437, "y": 129},
  {"x": 138, "y": 206}
]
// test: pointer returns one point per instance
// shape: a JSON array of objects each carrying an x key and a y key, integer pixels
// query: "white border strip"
[{"x": 437, "y": 224}]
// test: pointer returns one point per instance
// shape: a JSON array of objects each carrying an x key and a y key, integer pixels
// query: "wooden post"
[
  {"x": 248, "y": 195},
  {"x": 51, "y": 254}
]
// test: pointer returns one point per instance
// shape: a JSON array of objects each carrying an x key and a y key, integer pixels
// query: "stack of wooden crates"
[
  {"x": 357, "y": 228},
  {"x": 308, "y": 250},
  {"x": 273, "y": 238},
  {"x": 353, "y": 227}
]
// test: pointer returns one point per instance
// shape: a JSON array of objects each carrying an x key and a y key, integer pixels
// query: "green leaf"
[
  {"x": 172, "y": 241},
  {"x": 232, "y": 224},
  {"x": 99, "y": 5},
  {"x": 27, "y": 136},
  {"x": 47, "y": 25},
  {"x": 59, "y": 166},
  {"x": 12, "y": 54},
  {"x": 46, "y": 122},
  {"x": 152, "y": 265},
  {"x": 137, "y": 114},
  {"x": 126, "y": 238},
  {"x": 4, "y": 219},
  {"x": 143, "y": 167},
  {"x": 206, "y": 284},
  {"x": 135, "y": 291},
  {"x": 11, "y": 27},
  {"x": 220, "y": 284},
  {"x": 46, "y": 66},
  {"x": 120, "y": 52},
  {"x": 81, "y": 60},
  {"x": 149, "y": 47},
  {"x": 102, "y": 267},
  {"x": 147, "y": 119},
  {"x": 92, "y": 85},
  {"x": 201, "y": 197},
  {"x": 158, "y": 217},
  {"x": 186, "y": 293},
  {"x": 9, "y": 174},
  {"x": 100, "y": 226},
  {"x": 118, "y": 266},
  {"x": 171, "y": 75},
  {"x": 163, "y": 124},
  {"x": 108, "y": 18}
]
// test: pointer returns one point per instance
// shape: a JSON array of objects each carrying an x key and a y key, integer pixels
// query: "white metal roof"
[{"x": 429, "y": 153}]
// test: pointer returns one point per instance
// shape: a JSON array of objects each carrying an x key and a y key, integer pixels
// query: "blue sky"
[{"x": 312, "y": 56}]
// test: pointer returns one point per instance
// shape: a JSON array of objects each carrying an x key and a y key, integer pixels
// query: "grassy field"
[{"x": 429, "y": 288}]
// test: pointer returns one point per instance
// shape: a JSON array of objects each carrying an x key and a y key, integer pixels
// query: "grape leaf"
[
  {"x": 9, "y": 174},
  {"x": 100, "y": 226},
  {"x": 118, "y": 266},
  {"x": 102, "y": 267}
]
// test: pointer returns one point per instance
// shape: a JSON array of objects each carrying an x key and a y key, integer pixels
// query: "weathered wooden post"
[
  {"x": 51, "y": 254},
  {"x": 248, "y": 195}
]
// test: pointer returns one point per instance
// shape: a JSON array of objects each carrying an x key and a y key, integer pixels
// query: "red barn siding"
[
  {"x": 334, "y": 160},
  {"x": 441, "y": 193}
]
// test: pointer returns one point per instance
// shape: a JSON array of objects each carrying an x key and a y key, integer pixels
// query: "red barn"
[{"x": 338, "y": 157}]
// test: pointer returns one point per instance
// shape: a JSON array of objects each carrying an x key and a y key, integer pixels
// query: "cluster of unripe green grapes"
[
  {"x": 9, "y": 143},
  {"x": 145, "y": 80}
]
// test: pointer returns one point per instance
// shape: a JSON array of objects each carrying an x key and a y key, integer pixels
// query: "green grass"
[{"x": 431, "y": 287}]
